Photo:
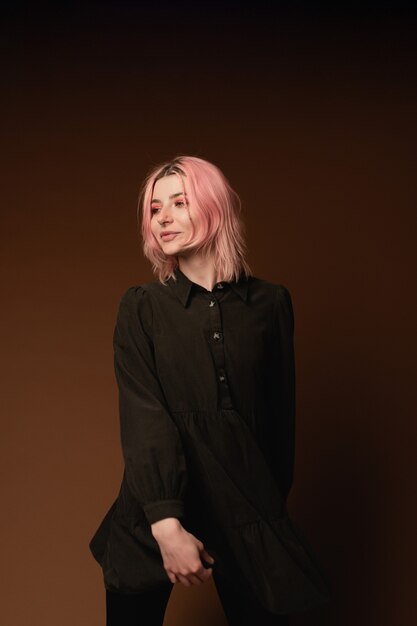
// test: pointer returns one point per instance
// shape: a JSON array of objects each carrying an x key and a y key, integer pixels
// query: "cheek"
[
  {"x": 155, "y": 231},
  {"x": 183, "y": 221}
]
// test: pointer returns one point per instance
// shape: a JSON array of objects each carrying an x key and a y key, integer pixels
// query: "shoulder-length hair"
[{"x": 220, "y": 230}]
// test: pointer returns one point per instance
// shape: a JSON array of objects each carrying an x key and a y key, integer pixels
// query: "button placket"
[{"x": 217, "y": 347}]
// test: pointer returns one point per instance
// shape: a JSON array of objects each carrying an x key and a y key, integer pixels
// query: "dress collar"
[{"x": 183, "y": 285}]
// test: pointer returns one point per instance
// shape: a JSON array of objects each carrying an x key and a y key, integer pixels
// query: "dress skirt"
[{"x": 233, "y": 501}]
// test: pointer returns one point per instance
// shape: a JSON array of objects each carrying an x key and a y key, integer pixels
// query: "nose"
[{"x": 164, "y": 216}]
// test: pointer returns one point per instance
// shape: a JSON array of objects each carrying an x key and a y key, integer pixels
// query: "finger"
[
  {"x": 201, "y": 574},
  {"x": 206, "y": 557},
  {"x": 206, "y": 573},
  {"x": 172, "y": 577},
  {"x": 184, "y": 580},
  {"x": 195, "y": 579}
]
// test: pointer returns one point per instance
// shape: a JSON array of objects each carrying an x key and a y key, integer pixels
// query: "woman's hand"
[{"x": 181, "y": 552}]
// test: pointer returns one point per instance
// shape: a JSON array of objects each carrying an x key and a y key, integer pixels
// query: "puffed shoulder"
[
  {"x": 134, "y": 314},
  {"x": 133, "y": 296}
]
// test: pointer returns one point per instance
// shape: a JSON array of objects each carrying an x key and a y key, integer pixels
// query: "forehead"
[{"x": 166, "y": 186}]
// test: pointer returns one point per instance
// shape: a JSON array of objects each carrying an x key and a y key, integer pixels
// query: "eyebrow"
[{"x": 174, "y": 195}]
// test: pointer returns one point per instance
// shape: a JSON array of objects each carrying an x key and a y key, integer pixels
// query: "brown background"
[{"x": 313, "y": 119}]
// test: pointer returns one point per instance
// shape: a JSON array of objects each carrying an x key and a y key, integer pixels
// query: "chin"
[{"x": 171, "y": 250}]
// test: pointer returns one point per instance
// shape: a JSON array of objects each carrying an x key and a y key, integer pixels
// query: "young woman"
[{"x": 204, "y": 363}]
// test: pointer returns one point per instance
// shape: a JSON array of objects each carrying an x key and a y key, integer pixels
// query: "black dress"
[{"x": 207, "y": 416}]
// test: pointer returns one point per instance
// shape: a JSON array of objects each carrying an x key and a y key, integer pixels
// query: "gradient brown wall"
[{"x": 313, "y": 122}]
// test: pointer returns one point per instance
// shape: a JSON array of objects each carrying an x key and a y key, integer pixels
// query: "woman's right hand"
[{"x": 181, "y": 552}]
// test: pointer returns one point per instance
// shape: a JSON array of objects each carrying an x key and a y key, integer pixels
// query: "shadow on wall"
[{"x": 348, "y": 505}]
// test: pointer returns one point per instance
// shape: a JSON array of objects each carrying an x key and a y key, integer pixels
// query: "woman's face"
[{"x": 170, "y": 222}]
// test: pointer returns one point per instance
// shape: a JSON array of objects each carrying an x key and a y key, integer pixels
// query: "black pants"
[{"x": 240, "y": 606}]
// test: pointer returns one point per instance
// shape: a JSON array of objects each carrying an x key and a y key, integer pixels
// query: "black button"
[
  {"x": 217, "y": 336},
  {"x": 219, "y": 285},
  {"x": 212, "y": 303},
  {"x": 222, "y": 378}
]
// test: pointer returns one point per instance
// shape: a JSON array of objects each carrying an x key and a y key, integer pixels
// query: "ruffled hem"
[
  {"x": 240, "y": 493},
  {"x": 233, "y": 496},
  {"x": 279, "y": 563}
]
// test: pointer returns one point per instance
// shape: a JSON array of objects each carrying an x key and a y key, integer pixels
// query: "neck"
[{"x": 199, "y": 269}]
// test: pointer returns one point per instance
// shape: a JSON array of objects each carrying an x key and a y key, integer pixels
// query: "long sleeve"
[
  {"x": 152, "y": 449},
  {"x": 282, "y": 432}
]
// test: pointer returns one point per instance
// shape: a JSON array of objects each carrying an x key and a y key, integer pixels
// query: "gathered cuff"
[{"x": 161, "y": 509}]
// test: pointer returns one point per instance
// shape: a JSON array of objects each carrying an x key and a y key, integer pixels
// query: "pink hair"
[{"x": 218, "y": 207}]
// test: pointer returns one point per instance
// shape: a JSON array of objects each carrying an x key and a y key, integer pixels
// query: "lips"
[{"x": 168, "y": 235}]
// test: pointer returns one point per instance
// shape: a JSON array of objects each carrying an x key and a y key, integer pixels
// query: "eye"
[
  {"x": 154, "y": 209},
  {"x": 179, "y": 202}
]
